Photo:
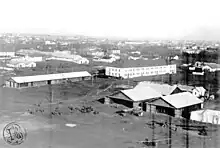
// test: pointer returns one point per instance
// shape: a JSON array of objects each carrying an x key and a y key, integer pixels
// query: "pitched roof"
[
  {"x": 186, "y": 87},
  {"x": 213, "y": 65},
  {"x": 164, "y": 89},
  {"x": 201, "y": 89},
  {"x": 37, "y": 78},
  {"x": 141, "y": 93},
  {"x": 181, "y": 100},
  {"x": 139, "y": 63},
  {"x": 22, "y": 61}
]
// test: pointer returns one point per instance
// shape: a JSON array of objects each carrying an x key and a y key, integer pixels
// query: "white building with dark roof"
[
  {"x": 135, "y": 97},
  {"x": 137, "y": 68},
  {"x": 177, "y": 105},
  {"x": 21, "y": 64},
  {"x": 39, "y": 80}
]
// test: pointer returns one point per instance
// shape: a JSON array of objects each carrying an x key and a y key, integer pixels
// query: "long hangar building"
[{"x": 40, "y": 80}]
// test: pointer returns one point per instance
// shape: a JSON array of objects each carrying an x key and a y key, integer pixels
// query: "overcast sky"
[{"x": 119, "y": 18}]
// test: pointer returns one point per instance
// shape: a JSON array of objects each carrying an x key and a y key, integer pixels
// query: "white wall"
[
  {"x": 140, "y": 71},
  {"x": 11, "y": 54},
  {"x": 30, "y": 59}
]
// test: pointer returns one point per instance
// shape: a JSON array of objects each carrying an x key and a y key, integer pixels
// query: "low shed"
[
  {"x": 177, "y": 105},
  {"x": 135, "y": 97},
  {"x": 39, "y": 80}
]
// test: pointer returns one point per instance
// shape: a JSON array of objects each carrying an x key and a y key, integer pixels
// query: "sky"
[{"x": 164, "y": 19}]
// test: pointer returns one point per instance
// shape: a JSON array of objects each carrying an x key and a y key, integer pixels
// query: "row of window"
[
  {"x": 142, "y": 73},
  {"x": 146, "y": 73},
  {"x": 155, "y": 72},
  {"x": 138, "y": 69},
  {"x": 115, "y": 70}
]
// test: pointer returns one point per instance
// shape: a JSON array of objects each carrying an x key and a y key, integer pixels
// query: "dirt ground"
[{"x": 105, "y": 129}]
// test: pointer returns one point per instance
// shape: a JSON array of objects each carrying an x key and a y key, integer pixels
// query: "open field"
[{"x": 105, "y": 129}]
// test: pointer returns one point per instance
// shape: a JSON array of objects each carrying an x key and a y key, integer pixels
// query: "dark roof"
[{"x": 139, "y": 63}]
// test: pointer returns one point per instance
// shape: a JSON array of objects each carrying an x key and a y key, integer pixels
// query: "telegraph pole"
[{"x": 170, "y": 131}]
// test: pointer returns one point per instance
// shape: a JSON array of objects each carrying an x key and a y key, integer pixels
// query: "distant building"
[
  {"x": 97, "y": 53},
  {"x": 135, "y": 97},
  {"x": 134, "y": 57},
  {"x": 176, "y": 57},
  {"x": 114, "y": 56},
  {"x": 163, "y": 89},
  {"x": 106, "y": 60},
  {"x": 21, "y": 64},
  {"x": 49, "y": 43},
  {"x": 206, "y": 116},
  {"x": 6, "y": 68},
  {"x": 212, "y": 67},
  {"x": 137, "y": 68},
  {"x": 40, "y": 80},
  {"x": 177, "y": 104},
  {"x": 81, "y": 60},
  {"x": 28, "y": 59},
  {"x": 116, "y": 51},
  {"x": 64, "y": 56},
  {"x": 7, "y": 54},
  {"x": 199, "y": 92},
  {"x": 201, "y": 66}
]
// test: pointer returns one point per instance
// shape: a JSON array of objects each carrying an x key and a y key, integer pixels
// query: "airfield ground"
[{"x": 105, "y": 129}]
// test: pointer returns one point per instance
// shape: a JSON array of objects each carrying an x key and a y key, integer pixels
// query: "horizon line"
[{"x": 105, "y": 37}]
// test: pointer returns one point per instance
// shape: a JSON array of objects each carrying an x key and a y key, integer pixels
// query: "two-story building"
[{"x": 137, "y": 68}]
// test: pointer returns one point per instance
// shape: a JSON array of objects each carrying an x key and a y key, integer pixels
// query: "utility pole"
[
  {"x": 92, "y": 80},
  {"x": 152, "y": 116},
  {"x": 50, "y": 114},
  {"x": 170, "y": 131}
]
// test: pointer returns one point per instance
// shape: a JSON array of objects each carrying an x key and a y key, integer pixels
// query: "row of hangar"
[{"x": 170, "y": 100}]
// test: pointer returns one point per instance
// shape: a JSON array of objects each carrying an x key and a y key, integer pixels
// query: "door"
[{"x": 49, "y": 82}]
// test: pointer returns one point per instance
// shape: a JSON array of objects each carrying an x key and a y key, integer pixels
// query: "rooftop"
[
  {"x": 213, "y": 65},
  {"x": 139, "y": 63},
  {"x": 186, "y": 87},
  {"x": 164, "y": 89},
  {"x": 141, "y": 93},
  {"x": 20, "y": 61},
  {"x": 58, "y": 76},
  {"x": 181, "y": 100}
]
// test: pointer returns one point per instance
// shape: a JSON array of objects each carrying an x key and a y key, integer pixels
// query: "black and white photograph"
[{"x": 109, "y": 74}]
